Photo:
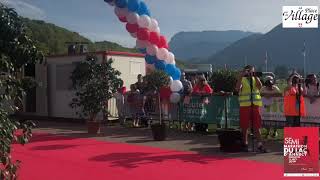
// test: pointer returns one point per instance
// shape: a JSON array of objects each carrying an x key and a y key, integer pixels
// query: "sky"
[{"x": 96, "y": 20}]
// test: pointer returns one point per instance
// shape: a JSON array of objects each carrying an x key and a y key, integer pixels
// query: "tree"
[
  {"x": 16, "y": 50},
  {"x": 281, "y": 72},
  {"x": 224, "y": 80},
  {"x": 94, "y": 83},
  {"x": 157, "y": 79}
]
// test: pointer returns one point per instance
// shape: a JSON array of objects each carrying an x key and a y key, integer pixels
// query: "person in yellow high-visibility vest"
[{"x": 250, "y": 112}]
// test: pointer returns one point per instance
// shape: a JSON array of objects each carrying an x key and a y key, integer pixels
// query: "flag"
[{"x": 304, "y": 49}]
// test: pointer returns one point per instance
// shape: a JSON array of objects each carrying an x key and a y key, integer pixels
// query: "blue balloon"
[
  {"x": 170, "y": 69},
  {"x": 143, "y": 9},
  {"x": 143, "y": 50},
  {"x": 160, "y": 64},
  {"x": 133, "y": 5},
  {"x": 150, "y": 59},
  {"x": 121, "y": 3},
  {"x": 177, "y": 74}
]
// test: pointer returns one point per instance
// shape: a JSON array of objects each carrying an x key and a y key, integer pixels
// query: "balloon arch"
[{"x": 141, "y": 25}]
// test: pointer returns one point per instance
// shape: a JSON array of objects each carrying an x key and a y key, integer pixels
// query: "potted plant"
[
  {"x": 94, "y": 84},
  {"x": 156, "y": 80},
  {"x": 224, "y": 81}
]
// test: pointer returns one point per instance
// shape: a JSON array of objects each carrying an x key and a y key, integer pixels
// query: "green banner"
[{"x": 202, "y": 110}]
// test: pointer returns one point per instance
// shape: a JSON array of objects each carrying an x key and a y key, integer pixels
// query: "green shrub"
[{"x": 224, "y": 80}]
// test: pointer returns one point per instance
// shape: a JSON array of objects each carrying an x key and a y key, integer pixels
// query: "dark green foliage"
[
  {"x": 157, "y": 79},
  {"x": 224, "y": 80},
  {"x": 51, "y": 39},
  {"x": 106, "y": 45},
  {"x": 16, "y": 50},
  {"x": 95, "y": 83}
]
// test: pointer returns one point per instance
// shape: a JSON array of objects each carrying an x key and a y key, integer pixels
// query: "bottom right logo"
[{"x": 301, "y": 151}]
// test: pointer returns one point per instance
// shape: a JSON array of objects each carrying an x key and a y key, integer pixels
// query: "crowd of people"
[
  {"x": 141, "y": 98},
  {"x": 253, "y": 94}
]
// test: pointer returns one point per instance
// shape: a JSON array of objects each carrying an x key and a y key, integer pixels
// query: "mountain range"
[
  {"x": 280, "y": 46},
  {"x": 193, "y": 46}
]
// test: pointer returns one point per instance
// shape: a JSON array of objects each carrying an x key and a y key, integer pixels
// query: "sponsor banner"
[
  {"x": 213, "y": 110},
  {"x": 301, "y": 151}
]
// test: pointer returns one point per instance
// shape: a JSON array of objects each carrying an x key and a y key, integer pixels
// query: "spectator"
[
  {"x": 187, "y": 88},
  {"x": 165, "y": 93},
  {"x": 139, "y": 84},
  {"x": 312, "y": 87},
  {"x": 250, "y": 113},
  {"x": 132, "y": 103},
  {"x": 140, "y": 111},
  {"x": 150, "y": 103},
  {"x": 193, "y": 81},
  {"x": 268, "y": 91},
  {"x": 202, "y": 89},
  {"x": 292, "y": 103},
  {"x": 119, "y": 96}
]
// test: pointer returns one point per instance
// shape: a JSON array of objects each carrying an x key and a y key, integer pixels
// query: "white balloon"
[
  {"x": 144, "y": 21},
  {"x": 162, "y": 53},
  {"x": 152, "y": 49},
  {"x": 170, "y": 58},
  {"x": 157, "y": 30},
  {"x": 121, "y": 12},
  {"x": 141, "y": 44},
  {"x": 175, "y": 98},
  {"x": 134, "y": 35},
  {"x": 176, "y": 86},
  {"x": 153, "y": 25},
  {"x": 132, "y": 18},
  {"x": 171, "y": 80}
]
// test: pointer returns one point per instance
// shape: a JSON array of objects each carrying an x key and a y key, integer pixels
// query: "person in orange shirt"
[{"x": 292, "y": 104}]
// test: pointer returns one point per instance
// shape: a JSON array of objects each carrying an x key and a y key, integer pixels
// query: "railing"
[{"x": 223, "y": 111}]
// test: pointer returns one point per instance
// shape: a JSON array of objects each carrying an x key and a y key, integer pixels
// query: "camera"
[
  {"x": 253, "y": 74},
  {"x": 298, "y": 80}
]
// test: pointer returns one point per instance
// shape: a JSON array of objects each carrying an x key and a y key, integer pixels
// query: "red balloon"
[
  {"x": 154, "y": 37},
  {"x": 123, "y": 19},
  {"x": 143, "y": 34},
  {"x": 162, "y": 42},
  {"x": 132, "y": 28},
  {"x": 166, "y": 46}
]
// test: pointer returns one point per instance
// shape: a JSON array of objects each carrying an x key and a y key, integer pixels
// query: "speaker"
[{"x": 230, "y": 140}]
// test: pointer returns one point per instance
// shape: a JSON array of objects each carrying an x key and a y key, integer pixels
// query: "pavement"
[{"x": 176, "y": 140}]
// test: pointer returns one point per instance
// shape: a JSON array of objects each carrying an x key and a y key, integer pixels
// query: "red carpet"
[{"x": 51, "y": 157}]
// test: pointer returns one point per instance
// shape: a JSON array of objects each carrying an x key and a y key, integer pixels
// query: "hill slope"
[
  {"x": 51, "y": 38},
  {"x": 284, "y": 47},
  {"x": 197, "y": 45}
]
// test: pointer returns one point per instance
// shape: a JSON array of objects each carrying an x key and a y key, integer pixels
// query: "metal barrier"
[{"x": 222, "y": 111}]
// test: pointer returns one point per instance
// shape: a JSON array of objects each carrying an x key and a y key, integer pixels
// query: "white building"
[{"x": 54, "y": 94}]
